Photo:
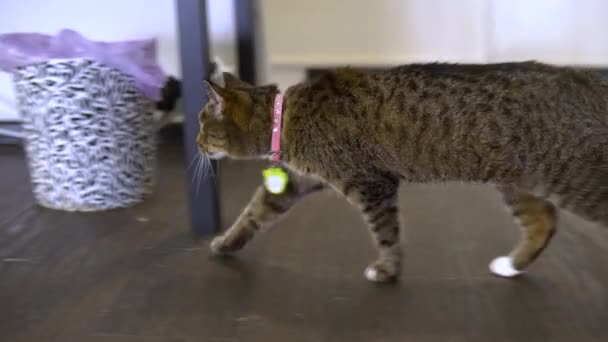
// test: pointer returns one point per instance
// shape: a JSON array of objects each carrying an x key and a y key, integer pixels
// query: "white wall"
[
  {"x": 307, "y": 33},
  {"x": 379, "y": 32},
  {"x": 385, "y": 32},
  {"x": 112, "y": 20},
  {"x": 382, "y": 32},
  {"x": 555, "y": 31}
]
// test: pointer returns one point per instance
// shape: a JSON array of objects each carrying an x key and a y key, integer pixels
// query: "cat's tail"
[
  {"x": 172, "y": 89},
  {"x": 170, "y": 94}
]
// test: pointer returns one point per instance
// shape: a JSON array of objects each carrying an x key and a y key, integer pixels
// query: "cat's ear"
[
  {"x": 232, "y": 82},
  {"x": 215, "y": 92},
  {"x": 216, "y": 96}
]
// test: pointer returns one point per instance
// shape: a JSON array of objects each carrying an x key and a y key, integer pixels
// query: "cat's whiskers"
[
  {"x": 209, "y": 166},
  {"x": 204, "y": 168},
  {"x": 199, "y": 172},
  {"x": 194, "y": 159},
  {"x": 194, "y": 163}
]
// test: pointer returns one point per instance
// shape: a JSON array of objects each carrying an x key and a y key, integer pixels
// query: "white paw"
[
  {"x": 503, "y": 267},
  {"x": 217, "y": 245},
  {"x": 371, "y": 274}
]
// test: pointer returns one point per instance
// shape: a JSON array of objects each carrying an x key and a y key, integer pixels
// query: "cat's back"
[
  {"x": 463, "y": 87},
  {"x": 493, "y": 101},
  {"x": 480, "y": 79},
  {"x": 509, "y": 94},
  {"x": 530, "y": 71}
]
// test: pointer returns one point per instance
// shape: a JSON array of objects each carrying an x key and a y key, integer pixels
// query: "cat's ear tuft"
[
  {"x": 216, "y": 93},
  {"x": 212, "y": 95},
  {"x": 215, "y": 98}
]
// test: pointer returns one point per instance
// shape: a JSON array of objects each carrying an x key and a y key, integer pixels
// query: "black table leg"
[
  {"x": 246, "y": 39},
  {"x": 194, "y": 49}
]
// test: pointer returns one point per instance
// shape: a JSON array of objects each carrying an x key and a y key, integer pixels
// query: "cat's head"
[{"x": 236, "y": 122}]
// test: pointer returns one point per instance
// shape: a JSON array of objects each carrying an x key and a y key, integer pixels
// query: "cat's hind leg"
[
  {"x": 537, "y": 219},
  {"x": 263, "y": 210}
]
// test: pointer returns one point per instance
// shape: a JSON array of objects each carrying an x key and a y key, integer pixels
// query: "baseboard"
[{"x": 13, "y": 126}]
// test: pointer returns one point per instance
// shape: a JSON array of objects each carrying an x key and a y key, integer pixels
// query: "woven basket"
[{"x": 89, "y": 135}]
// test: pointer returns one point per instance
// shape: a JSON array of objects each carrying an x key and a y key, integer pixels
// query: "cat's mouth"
[{"x": 216, "y": 155}]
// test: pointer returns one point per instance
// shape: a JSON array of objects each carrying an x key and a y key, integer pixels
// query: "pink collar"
[{"x": 275, "y": 143}]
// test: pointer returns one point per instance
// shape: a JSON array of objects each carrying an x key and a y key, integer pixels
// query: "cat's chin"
[{"x": 217, "y": 155}]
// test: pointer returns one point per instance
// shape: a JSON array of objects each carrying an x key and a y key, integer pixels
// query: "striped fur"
[{"x": 538, "y": 132}]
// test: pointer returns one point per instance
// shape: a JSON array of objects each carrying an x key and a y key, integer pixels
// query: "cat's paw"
[
  {"x": 218, "y": 246},
  {"x": 229, "y": 243},
  {"x": 379, "y": 272},
  {"x": 503, "y": 267}
]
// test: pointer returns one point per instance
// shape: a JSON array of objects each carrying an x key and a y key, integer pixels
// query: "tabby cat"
[{"x": 535, "y": 131}]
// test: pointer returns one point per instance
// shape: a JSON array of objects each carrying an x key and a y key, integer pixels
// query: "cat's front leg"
[
  {"x": 377, "y": 199},
  {"x": 263, "y": 210}
]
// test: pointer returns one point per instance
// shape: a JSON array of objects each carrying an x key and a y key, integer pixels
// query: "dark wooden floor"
[{"x": 137, "y": 275}]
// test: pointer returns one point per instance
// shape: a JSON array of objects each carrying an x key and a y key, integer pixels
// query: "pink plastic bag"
[{"x": 136, "y": 58}]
